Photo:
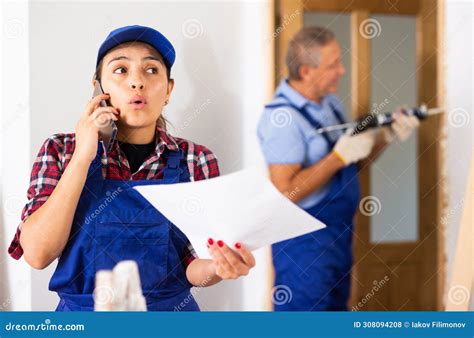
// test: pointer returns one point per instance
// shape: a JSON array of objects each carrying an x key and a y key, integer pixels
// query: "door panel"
[{"x": 394, "y": 183}]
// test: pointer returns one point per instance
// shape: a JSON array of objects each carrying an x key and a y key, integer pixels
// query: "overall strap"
[
  {"x": 312, "y": 121},
  {"x": 339, "y": 115},
  {"x": 95, "y": 168},
  {"x": 172, "y": 170}
]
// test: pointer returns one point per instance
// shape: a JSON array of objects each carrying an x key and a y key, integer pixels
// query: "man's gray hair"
[{"x": 303, "y": 49}]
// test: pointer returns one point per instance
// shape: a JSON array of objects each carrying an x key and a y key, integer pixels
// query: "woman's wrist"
[
  {"x": 209, "y": 275},
  {"x": 202, "y": 273},
  {"x": 79, "y": 162}
]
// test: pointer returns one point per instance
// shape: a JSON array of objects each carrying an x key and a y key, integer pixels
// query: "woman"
[{"x": 82, "y": 206}]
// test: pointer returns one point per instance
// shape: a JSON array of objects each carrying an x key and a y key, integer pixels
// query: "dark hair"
[{"x": 161, "y": 123}]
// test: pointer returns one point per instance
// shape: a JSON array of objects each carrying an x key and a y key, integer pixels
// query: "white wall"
[
  {"x": 15, "y": 161},
  {"x": 221, "y": 75},
  {"x": 460, "y": 117}
]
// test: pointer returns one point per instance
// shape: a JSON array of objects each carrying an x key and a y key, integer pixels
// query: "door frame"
[{"x": 429, "y": 22}]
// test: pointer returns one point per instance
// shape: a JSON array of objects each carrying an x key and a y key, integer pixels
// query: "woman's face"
[{"x": 134, "y": 75}]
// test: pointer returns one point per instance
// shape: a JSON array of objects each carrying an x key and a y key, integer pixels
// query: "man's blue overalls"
[
  {"x": 316, "y": 267},
  {"x": 113, "y": 222}
]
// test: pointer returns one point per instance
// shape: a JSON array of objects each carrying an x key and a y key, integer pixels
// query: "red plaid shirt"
[{"x": 56, "y": 152}]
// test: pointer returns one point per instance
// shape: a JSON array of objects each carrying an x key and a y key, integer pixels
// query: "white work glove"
[
  {"x": 351, "y": 149},
  {"x": 402, "y": 127}
]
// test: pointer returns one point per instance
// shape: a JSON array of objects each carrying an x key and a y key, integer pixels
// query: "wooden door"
[{"x": 403, "y": 275}]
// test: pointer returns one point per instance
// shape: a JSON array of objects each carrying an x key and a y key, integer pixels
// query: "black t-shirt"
[{"x": 137, "y": 153}]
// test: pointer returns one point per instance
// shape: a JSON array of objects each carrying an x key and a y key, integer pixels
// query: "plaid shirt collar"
[{"x": 162, "y": 140}]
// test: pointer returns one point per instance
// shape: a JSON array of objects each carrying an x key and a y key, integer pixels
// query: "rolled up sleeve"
[{"x": 281, "y": 138}]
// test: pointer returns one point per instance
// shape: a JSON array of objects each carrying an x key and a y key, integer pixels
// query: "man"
[{"x": 318, "y": 171}]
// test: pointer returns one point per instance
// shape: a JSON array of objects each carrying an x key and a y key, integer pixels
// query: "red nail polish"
[
  {"x": 220, "y": 243},
  {"x": 118, "y": 110},
  {"x": 210, "y": 241},
  {"x": 238, "y": 245},
  {"x": 107, "y": 94}
]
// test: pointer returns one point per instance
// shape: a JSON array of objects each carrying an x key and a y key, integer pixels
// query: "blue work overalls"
[
  {"x": 113, "y": 222},
  {"x": 316, "y": 267}
]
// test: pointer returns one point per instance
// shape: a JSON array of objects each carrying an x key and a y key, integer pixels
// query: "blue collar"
[{"x": 294, "y": 96}]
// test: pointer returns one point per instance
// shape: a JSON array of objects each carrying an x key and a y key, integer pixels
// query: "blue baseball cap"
[{"x": 139, "y": 33}]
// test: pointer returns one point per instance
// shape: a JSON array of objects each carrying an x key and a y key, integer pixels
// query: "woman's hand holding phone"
[
  {"x": 56, "y": 215},
  {"x": 92, "y": 120}
]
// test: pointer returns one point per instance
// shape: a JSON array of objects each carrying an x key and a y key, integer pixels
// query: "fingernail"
[
  {"x": 118, "y": 110},
  {"x": 220, "y": 243},
  {"x": 238, "y": 245},
  {"x": 106, "y": 94},
  {"x": 210, "y": 241}
]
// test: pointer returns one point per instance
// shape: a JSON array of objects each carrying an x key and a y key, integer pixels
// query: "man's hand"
[
  {"x": 402, "y": 127},
  {"x": 351, "y": 149}
]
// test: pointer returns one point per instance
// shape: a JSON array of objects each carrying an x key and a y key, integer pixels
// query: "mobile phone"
[{"x": 109, "y": 131}]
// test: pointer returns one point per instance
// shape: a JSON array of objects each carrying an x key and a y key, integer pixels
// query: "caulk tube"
[{"x": 386, "y": 119}]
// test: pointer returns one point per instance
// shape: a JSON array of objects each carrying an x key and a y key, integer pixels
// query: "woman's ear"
[
  {"x": 93, "y": 83},
  {"x": 170, "y": 88}
]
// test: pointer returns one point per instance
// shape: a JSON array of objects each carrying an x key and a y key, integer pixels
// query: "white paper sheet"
[{"x": 240, "y": 207}]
